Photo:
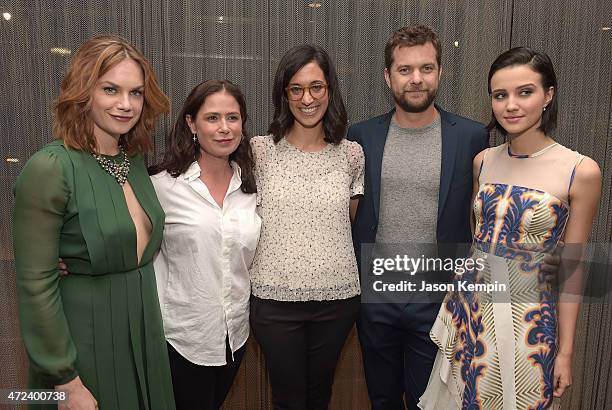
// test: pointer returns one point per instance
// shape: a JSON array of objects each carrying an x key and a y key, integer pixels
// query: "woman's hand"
[
  {"x": 551, "y": 262},
  {"x": 77, "y": 396},
  {"x": 563, "y": 374},
  {"x": 61, "y": 266}
]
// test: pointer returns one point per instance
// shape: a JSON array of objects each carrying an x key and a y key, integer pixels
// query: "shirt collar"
[
  {"x": 193, "y": 173},
  {"x": 236, "y": 181}
]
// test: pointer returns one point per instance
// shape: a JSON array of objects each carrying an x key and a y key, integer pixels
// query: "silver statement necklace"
[{"x": 118, "y": 170}]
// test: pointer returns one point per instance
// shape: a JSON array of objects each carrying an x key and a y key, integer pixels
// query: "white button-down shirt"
[{"x": 202, "y": 267}]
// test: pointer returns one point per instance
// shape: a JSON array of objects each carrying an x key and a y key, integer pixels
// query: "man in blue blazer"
[{"x": 418, "y": 188}]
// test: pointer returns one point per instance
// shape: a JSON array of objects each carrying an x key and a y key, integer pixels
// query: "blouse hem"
[{"x": 300, "y": 295}]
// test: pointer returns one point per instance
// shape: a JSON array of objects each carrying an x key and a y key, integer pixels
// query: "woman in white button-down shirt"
[{"x": 205, "y": 185}]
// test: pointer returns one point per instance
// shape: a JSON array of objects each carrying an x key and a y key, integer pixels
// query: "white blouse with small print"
[
  {"x": 305, "y": 251},
  {"x": 202, "y": 266}
]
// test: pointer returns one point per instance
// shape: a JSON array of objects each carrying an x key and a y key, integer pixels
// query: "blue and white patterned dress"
[{"x": 497, "y": 349}]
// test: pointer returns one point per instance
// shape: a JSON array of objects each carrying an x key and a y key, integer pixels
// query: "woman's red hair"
[{"x": 94, "y": 58}]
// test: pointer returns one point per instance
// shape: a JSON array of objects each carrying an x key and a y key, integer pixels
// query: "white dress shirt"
[{"x": 202, "y": 266}]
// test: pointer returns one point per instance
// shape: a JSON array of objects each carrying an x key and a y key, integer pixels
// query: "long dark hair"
[
  {"x": 180, "y": 149},
  {"x": 335, "y": 118},
  {"x": 541, "y": 64}
]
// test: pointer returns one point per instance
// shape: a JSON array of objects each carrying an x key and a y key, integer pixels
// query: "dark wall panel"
[{"x": 573, "y": 34}]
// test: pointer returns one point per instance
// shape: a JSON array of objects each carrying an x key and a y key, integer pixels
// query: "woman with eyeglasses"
[{"x": 304, "y": 280}]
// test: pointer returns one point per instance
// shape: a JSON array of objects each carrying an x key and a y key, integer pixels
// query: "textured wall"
[{"x": 190, "y": 41}]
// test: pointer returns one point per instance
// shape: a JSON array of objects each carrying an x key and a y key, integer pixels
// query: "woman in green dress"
[{"x": 97, "y": 334}]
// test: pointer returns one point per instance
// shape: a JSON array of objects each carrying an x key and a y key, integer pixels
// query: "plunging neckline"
[
  {"x": 127, "y": 208},
  {"x": 133, "y": 225}
]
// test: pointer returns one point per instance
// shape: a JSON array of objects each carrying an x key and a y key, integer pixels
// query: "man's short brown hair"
[{"x": 412, "y": 36}]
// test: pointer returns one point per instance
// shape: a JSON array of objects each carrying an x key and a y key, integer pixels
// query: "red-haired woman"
[{"x": 87, "y": 198}]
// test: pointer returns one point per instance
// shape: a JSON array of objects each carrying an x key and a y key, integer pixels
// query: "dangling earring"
[
  {"x": 544, "y": 108},
  {"x": 195, "y": 138}
]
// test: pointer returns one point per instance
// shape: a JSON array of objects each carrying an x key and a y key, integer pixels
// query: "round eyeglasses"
[{"x": 296, "y": 92}]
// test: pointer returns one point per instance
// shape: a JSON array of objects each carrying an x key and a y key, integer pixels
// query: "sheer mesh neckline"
[{"x": 535, "y": 154}]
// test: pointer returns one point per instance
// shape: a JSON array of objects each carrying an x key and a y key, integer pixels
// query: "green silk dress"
[{"x": 102, "y": 321}]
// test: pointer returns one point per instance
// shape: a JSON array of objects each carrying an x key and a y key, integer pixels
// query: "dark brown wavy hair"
[
  {"x": 335, "y": 119},
  {"x": 181, "y": 152},
  {"x": 93, "y": 59}
]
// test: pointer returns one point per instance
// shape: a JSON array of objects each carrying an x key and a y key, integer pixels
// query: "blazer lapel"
[
  {"x": 449, "y": 150},
  {"x": 376, "y": 156}
]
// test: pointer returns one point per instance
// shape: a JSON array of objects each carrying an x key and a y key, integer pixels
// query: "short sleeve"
[
  {"x": 41, "y": 195},
  {"x": 356, "y": 160},
  {"x": 258, "y": 146}
]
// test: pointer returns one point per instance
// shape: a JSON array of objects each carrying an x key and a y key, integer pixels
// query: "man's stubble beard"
[{"x": 415, "y": 108}]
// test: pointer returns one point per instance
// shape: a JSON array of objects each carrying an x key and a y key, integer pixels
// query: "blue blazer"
[{"x": 462, "y": 139}]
